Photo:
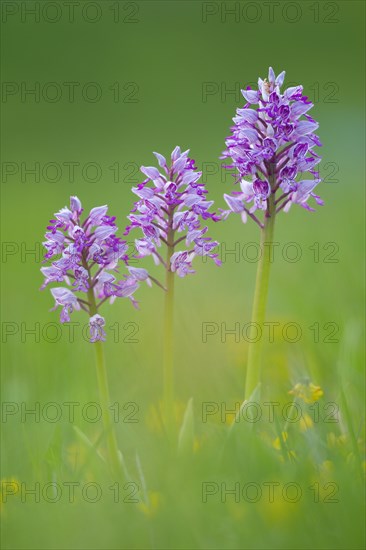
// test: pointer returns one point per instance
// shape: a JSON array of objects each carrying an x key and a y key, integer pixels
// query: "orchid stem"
[
  {"x": 168, "y": 339},
  {"x": 260, "y": 299},
  {"x": 113, "y": 453}
]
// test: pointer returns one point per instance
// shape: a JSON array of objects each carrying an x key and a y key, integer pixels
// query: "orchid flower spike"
[
  {"x": 171, "y": 210},
  {"x": 85, "y": 257},
  {"x": 271, "y": 148}
]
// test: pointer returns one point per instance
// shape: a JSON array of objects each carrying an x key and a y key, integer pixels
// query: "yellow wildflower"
[
  {"x": 335, "y": 441},
  {"x": 277, "y": 444},
  {"x": 150, "y": 507},
  {"x": 306, "y": 422},
  {"x": 309, "y": 392}
]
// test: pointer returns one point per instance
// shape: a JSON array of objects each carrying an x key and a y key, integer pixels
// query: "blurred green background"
[{"x": 164, "y": 71}]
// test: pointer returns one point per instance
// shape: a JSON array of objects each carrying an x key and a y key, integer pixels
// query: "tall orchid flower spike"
[
  {"x": 170, "y": 214},
  {"x": 85, "y": 256},
  {"x": 271, "y": 148}
]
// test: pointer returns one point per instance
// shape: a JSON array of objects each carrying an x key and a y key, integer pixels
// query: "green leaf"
[
  {"x": 255, "y": 396},
  {"x": 186, "y": 433},
  {"x": 93, "y": 447}
]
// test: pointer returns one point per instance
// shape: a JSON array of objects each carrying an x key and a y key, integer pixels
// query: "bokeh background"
[{"x": 169, "y": 73}]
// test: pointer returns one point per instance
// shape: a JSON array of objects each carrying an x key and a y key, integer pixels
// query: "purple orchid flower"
[
  {"x": 172, "y": 202},
  {"x": 96, "y": 324},
  {"x": 271, "y": 147},
  {"x": 83, "y": 255}
]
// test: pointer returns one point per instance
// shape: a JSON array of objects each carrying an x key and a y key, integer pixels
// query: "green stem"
[
  {"x": 260, "y": 298},
  {"x": 352, "y": 434},
  {"x": 113, "y": 453},
  {"x": 168, "y": 336},
  {"x": 293, "y": 406}
]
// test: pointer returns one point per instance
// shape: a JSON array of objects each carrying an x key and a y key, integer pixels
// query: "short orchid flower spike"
[
  {"x": 85, "y": 256},
  {"x": 272, "y": 150}
]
